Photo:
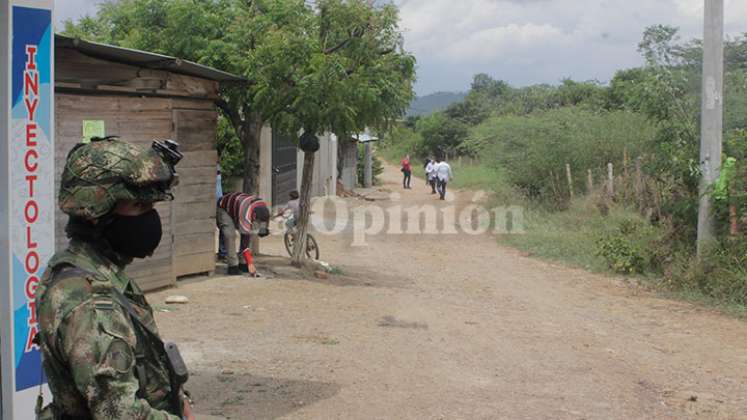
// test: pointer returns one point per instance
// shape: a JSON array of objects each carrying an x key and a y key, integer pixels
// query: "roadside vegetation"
[{"x": 552, "y": 149}]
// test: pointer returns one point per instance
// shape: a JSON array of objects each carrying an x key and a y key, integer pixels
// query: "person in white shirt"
[
  {"x": 430, "y": 175},
  {"x": 294, "y": 206},
  {"x": 444, "y": 175}
]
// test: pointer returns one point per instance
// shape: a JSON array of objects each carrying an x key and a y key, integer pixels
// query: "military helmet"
[{"x": 104, "y": 171}]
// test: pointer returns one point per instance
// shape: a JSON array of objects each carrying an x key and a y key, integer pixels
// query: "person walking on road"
[
  {"x": 406, "y": 169},
  {"x": 444, "y": 175},
  {"x": 425, "y": 169},
  {"x": 430, "y": 175}
]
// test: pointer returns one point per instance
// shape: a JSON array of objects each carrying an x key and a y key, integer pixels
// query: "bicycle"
[{"x": 289, "y": 238}]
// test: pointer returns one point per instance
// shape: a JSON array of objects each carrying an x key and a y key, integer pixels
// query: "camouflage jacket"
[{"x": 89, "y": 343}]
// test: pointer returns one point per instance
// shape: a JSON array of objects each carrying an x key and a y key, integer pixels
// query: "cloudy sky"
[{"x": 526, "y": 41}]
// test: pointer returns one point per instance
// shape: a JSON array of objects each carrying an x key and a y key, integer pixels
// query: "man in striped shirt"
[{"x": 247, "y": 214}]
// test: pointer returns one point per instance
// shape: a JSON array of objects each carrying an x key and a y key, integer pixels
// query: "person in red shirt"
[
  {"x": 247, "y": 214},
  {"x": 407, "y": 171}
]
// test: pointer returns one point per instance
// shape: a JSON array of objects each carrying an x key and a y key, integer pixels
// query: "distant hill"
[{"x": 434, "y": 102}]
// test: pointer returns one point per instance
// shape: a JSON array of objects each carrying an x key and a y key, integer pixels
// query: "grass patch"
[
  {"x": 572, "y": 236},
  {"x": 480, "y": 177}
]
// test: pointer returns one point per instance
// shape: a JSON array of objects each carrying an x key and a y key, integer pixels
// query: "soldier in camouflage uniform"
[{"x": 102, "y": 354}]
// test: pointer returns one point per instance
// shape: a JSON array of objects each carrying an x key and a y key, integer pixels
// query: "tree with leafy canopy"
[
  {"x": 338, "y": 66},
  {"x": 441, "y": 134}
]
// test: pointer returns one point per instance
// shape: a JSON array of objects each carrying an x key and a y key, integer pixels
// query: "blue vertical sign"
[{"x": 27, "y": 193}]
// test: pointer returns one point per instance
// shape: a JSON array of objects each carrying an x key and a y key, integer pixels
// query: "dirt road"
[{"x": 450, "y": 327}]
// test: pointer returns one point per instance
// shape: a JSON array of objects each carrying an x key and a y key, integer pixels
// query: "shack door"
[
  {"x": 194, "y": 197},
  {"x": 283, "y": 167}
]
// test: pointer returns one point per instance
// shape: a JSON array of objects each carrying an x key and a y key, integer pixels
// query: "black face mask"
[{"x": 135, "y": 236}]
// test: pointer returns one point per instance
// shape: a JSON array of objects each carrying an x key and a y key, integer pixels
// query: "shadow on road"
[{"x": 245, "y": 396}]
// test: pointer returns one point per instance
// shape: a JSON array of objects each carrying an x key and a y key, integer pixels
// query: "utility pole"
[
  {"x": 712, "y": 116},
  {"x": 368, "y": 165}
]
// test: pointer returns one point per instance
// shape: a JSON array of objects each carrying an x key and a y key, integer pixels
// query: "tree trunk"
[
  {"x": 250, "y": 139},
  {"x": 299, "y": 249},
  {"x": 250, "y": 134}
]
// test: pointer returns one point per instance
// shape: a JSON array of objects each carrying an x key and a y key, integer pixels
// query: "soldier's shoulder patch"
[{"x": 120, "y": 356}]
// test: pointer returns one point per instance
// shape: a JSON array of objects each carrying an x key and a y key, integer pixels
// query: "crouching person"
[{"x": 247, "y": 214}]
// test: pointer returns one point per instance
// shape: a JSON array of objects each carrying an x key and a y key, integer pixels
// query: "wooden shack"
[{"x": 140, "y": 97}]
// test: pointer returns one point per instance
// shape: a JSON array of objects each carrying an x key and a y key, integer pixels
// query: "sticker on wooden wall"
[{"x": 93, "y": 128}]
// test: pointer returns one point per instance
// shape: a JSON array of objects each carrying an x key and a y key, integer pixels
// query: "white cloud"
[
  {"x": 73, "y": 9},
  {"x": 493, "y": 43},
  {"x": 540, "y": 41},
  {"x": 690, "y": 8}
]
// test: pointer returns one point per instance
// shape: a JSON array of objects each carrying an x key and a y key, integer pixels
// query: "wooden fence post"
[
  {"x": 733, "y": 220},
  {"x": 554, "y": 184},
  {"x": 639, "y": 183},
  {"x": 610, "y": 180},
  {"x": 589, "y": 181},
  {"x": 570, "y": 178}
]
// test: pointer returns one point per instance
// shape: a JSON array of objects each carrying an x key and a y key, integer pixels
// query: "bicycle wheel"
[
  {"x": 289, "y": 241},
  {"x": 312, "y": 249}
]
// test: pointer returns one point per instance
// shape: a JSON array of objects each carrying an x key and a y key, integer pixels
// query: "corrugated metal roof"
[
  {"x": 145, "y": 59},
  {"x": 365, "y": 137}
]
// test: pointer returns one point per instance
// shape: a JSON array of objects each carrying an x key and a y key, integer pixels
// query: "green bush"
[{"x": 622, "y": 255}]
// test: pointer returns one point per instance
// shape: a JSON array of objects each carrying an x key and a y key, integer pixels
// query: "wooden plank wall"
[
  {"x": 135, "y": 119},
  {"x": 195, "y": 203}
]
